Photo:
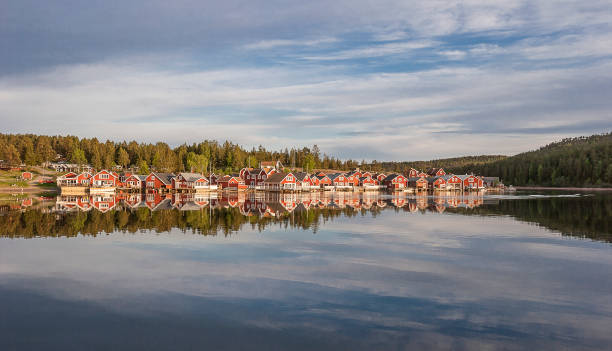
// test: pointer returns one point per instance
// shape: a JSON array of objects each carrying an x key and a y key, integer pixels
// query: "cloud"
[
  {"x": 374, "y": 51},
  {"x": 347, "y": 114},
  {"x": 269, "y": 44}
]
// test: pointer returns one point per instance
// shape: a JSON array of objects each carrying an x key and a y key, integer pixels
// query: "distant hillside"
[
  {"x": 582, "y": 161},
  {"x": 446, "y": 163}
]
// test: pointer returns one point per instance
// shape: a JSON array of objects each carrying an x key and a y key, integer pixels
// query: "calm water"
[{"x": 343, "y": 272}]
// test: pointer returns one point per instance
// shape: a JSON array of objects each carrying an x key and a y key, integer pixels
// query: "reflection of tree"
[{"x": 584, "y": 217}]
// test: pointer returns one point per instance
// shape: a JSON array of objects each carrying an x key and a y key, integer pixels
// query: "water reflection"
[
  {"x": 383, "y": 272},
  {"x": 585, "y": 216}
]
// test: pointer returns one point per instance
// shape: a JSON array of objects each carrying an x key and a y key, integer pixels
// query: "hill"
[
  {"x": 446, "y": 163},
  {"x": 579, "y": 162}
]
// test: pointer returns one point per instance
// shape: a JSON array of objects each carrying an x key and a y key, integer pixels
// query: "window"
[
  {"x": 150, "y": 184},
  {"x": 104, "y": 176}
]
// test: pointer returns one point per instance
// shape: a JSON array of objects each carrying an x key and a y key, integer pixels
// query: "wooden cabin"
[
  {"x": 280, "y": 182},
  {"x": 418, "y": 183},
  {"x": 231, "y": 182},
  {"x": 159, "y": 181},
  {"x": 395, "y": 182}
]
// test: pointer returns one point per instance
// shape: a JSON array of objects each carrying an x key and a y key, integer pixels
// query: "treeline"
[
  {"x": 579, "y": 162},
  {"x": 225, "y": 157},
  {"x": 446, "y": 163}
]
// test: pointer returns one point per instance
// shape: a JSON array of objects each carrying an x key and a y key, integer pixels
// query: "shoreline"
[{"x": 559, "y": 188}]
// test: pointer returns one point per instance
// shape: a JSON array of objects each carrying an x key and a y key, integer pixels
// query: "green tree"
[
  {"x": 143, "y": 168},
  {"x": 123, "y": 158},
  {"x": 78, "y": 156},
  {"x": 309, "y": 163}
]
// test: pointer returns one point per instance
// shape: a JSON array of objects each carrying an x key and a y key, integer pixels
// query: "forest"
[
  {"x": 225, "y": 157},
  {"x": 578, "y": 162},
  {"x": 581, "y": 161}
]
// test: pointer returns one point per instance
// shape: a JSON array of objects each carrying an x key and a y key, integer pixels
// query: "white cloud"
[
  {"x": 269, "y": 44},
  {"x": 376, "y": 115},
  {"x": 375, "y": 50}
]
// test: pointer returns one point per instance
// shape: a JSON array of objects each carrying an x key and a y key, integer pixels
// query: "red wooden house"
[
  {"x": 105, "y": 179},
  {"x": 135, "y": 181},
  {"x": 413, "y": 173},
  {"x": 190, "y": 181},
  {"x": 254, "y": 178},
  {"x": 340, "y": 181},
  {"x": 27, "y": 175},
  {"x": 418, "y": 183},
  {"x": 159, "y": 181},
  {"x": 231, "y": 182},
  {"x": 435, "y": 172},
  {"x": 395, "y": 182},
  {"x": 471, "y": 182},
  {"x": 324, "y": 181},
  {"x": 368, "y": 182},
  {"x": 436, "y": 183},
  {"x": 380, "y": 177},
  {"x": 280, "y": 182},
  {"x": 453, "y": 182}
]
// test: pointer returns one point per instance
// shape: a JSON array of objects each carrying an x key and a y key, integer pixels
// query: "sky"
[{"x": 384, "y": 80}]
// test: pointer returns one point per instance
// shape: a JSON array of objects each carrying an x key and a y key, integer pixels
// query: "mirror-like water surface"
[{"x": 315, "y": 271}]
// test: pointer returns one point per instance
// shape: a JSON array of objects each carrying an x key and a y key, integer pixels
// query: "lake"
[{"x": 525, "y": 271}]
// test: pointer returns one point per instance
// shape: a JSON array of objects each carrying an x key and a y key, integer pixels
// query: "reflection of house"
[{"x": 103, "y": 202}]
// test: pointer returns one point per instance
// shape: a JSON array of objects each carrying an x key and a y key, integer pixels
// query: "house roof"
[
  {"x": 166, "y": 178},
  {"x": 392, "y": 176},
  {"x": 433, "y": 171},
  {"x": 276, "y": 177},
  {"x": 191, "y": 177},
  {"x": 300, "y": 176},
  {"x": 334, "y": 175},
  {"x": 415, "y": 179}
]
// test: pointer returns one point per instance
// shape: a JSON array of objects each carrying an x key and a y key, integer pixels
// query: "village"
[{"x": 273, "y": 177}]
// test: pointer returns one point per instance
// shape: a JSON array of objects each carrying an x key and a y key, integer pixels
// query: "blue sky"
[{"x": 382, "y": 80}]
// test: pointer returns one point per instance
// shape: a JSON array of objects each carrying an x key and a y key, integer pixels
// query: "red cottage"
[
  {"x": 435, "y": 172},
  {"x": 453, "y": 182},
  {"x": 105, "y": 179},
  {"x": 190, "y": 181},
  {"x": 413, "y": 173},
  {"x": 436, "y": 183},
  {"x": 159, "y": 181},
  {"x": 419, "y": 183},
  {"x": 280, "y": 181},
  {"x": 395, "y": 182},
  {"x": 231, "y": 182},
  {"x": 471, "y": 182},
  {"x": 135, "y": 182},
  {"x": 27, "y": 175}
]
